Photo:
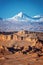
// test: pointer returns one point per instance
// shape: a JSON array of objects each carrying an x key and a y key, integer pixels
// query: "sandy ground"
[{"x": 21, "y": 59}]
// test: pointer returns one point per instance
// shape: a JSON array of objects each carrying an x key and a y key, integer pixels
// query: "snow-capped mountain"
[
  {"x": 38, "y": 18},
  {"x": 22, "y": 21},
  {"x": 20, "y": 17},
  {"x": 23, "y": 17}
]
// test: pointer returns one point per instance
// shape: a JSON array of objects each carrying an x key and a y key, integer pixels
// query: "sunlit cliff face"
[
  {"x": 19, "y": 38},
  {"x": 13, "y": 36}
]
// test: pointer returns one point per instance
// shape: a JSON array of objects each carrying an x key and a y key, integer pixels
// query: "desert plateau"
[{"x": 21, "y": 48}]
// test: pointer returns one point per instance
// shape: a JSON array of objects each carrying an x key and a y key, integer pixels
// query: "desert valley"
[{"x": 21, "y": 48}]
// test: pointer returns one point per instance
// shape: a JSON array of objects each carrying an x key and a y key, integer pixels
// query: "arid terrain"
[{"x": 21, "y": 48}]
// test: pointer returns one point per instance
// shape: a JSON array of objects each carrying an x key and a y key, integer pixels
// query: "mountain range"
[{"x": 22, "y": 21}]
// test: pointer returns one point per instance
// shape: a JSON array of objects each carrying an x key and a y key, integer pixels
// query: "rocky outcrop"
[{"x": 25, "y": 43}]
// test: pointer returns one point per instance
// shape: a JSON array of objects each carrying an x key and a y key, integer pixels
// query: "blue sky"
[{"x": 9, "y": 8}]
